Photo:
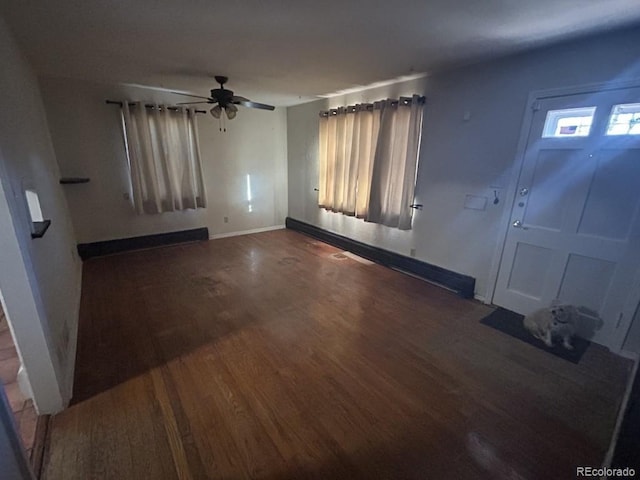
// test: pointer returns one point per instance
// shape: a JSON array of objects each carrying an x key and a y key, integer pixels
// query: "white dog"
[{"x": 555, "y": 321}]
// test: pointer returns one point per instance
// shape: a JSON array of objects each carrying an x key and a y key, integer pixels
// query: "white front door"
[{"x": 574, "y": 232}]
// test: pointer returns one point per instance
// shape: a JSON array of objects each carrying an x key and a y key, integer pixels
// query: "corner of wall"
[{"x": 40, "y": 278}]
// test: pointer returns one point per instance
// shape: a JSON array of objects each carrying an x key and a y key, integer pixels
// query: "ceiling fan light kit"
[
  {"x": 216, "y": 111},
  {"x": 231, "y": 111}
]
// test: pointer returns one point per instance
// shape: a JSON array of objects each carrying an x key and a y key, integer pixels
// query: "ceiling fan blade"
[
  {"x": 189, "y": 95},
  {"x": 191, "y": 103},
  {"x": 250, "y": 104}
]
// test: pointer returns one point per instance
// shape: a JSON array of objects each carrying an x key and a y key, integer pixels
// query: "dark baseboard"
[
  {"x": 464, "y": 285},
  {"x": 108, "y": 247}
]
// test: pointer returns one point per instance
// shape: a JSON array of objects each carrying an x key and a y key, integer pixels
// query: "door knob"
[
  {"x": 524, "y": 191},
  {"x": 518, "y": 224}
]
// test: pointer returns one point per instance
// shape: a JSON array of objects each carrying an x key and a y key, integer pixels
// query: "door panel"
[
  {"x": 531, "y": 266},
  {"x": 613, "y": 198},
  {"x": 574, "y": 233},
  {"x": 586, "y": 281},
  {"x": 547, "y": 202}
]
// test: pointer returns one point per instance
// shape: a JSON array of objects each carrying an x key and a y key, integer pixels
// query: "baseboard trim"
[
  {"x": 463, "y": 285},
  {"x": 216, "y": 236},
  {"x": 481, "y": 299},
  {"x": 109, "y": 247}
]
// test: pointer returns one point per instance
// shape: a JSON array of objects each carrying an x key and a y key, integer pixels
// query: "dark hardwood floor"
[{"x": 268, "y": 356}]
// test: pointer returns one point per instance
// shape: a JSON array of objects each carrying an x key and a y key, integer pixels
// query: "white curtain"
[
  {"x": 164, "y": 158},
  {"x": 368, "y": 157},
  {"x": 347, "y": 143},
  {"x": 395, "y": 162}
]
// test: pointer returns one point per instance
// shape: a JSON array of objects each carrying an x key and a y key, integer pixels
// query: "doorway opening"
[
  {"x": 574, "y": 227},
  {"x": 22, "y": 407}
]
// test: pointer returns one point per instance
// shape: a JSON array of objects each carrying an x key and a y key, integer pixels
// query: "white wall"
[
  {"x": 88, "y": 141},
  {"x": 39, "y": 278},
  {"x": 459, "y": 157}
]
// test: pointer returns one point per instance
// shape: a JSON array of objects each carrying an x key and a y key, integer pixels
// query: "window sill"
[{"x": 39, "y": 228}]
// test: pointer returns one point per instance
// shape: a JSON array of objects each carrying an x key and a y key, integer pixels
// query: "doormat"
[{"x": 510, "y": 323}]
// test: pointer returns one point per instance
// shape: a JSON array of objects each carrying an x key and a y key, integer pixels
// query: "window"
[
  {"x": 569, "y": 122},
  {"x": 624, "y": 119},
  {"x": 164, "y": 157},
  {"x": 368, "y": 160}
]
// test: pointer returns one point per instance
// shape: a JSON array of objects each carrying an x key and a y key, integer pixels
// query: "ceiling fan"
[{"x": 225, "y": 100}]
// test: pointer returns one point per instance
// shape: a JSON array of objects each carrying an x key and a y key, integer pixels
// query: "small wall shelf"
[
  {"x": 39, "y": 228},
  {"x": 74, "y": 180}
]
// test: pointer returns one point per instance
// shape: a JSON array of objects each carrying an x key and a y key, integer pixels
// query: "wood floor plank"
[
  {"x": 268, "y": 356},
  {"x": 170, "y": 425}
]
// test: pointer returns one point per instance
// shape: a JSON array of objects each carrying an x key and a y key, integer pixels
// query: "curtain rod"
[
  {"x": 370, "y": 106},
  {"x": 147, "y": 105}
]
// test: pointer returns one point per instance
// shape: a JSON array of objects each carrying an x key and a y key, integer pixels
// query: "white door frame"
[
  {"x": 23, "y": 307},
  {"x": 512, "y": 188}
]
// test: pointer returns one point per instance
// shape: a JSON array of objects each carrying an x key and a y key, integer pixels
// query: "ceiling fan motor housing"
[{"x": 222, "y": 96}]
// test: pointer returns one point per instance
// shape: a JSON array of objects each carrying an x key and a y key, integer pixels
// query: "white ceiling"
[{"x": 288, "y": 51}]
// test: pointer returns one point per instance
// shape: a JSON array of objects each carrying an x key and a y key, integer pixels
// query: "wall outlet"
[
  {"x": 226, "y": 219},
  {"x": 412, "y": 252}
]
